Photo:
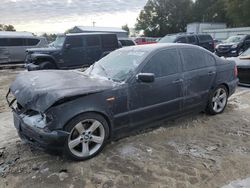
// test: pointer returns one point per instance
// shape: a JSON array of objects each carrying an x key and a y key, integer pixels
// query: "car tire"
[
  {"x": 89, "y": 133},
  {"x": 217, "y": 100},
  {"x": 47, "y": 65}
]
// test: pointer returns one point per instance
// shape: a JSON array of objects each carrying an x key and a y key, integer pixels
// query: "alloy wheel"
[
  {"x": 219, "y": 100},
  {"x": 86, "y": 138}
]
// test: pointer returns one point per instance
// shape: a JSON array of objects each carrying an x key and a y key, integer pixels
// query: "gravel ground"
[{"x": 195, "y": 151}]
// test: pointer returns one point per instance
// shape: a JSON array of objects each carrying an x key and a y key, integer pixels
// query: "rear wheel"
[
  {"x": 47, "y": 65},
  {"x": 88, "y": 136},
  {"x": 217, "y": 100}
]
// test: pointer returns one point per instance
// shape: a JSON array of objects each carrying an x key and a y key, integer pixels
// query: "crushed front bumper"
[
  {"x": 34, "y": 131},
  {"x": 51, "y": 140}
]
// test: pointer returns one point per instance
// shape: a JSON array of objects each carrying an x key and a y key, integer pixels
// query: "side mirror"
[
  {"x": 67, "y": 46},
  {"x": 146, "y": 77}
]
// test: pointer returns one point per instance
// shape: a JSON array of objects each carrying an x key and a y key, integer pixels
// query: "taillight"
[{"x": 235, "y": 71}]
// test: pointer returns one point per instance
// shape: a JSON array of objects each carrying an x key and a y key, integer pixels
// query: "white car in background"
[{"x": 13, "y": 45}]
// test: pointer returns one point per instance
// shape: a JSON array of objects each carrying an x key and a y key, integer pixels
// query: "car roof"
[
  {"x": 84, "y": 34},
  {"x": 21, "y": 37},
  {"x": 186, "y": 34},
  {"x": 17, "y": 34},
  {"x": 157, "y": 46},
  {"x": 125, "y": 39}
]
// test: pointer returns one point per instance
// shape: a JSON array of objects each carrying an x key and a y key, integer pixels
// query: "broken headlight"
[{"x": 35, "y": 119}]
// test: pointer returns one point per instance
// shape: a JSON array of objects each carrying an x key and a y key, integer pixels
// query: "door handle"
[
  {"x": 178, "y": 81},
  {"x": 211, "y": 73}
]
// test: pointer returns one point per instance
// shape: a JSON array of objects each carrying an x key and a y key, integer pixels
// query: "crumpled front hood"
[{"x": 39, "y": 90}]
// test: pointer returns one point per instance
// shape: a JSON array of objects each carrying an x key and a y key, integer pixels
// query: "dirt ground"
[{"x": 196, "y": 151}]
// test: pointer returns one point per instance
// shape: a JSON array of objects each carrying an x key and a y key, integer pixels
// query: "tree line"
[
  {"x": 7, "y": 27},
  {"x": 161, "y": 17}
]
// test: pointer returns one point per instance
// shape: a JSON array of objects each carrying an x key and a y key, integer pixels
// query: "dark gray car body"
[{"x": 126, "y": 106}]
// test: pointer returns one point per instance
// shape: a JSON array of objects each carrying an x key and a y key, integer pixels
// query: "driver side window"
[
  {"x": 74, "y": 42},
  {"x": 163, "y": 63}
]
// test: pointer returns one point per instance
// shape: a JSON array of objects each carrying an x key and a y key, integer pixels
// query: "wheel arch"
[
  {"x": 221, "y": 84},
  {"x": 40, "y": 58},
  {"x": 227, "y": 87}
]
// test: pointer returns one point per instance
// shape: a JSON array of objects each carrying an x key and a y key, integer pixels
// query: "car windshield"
[
  {"x": 246, "y": 53},
  {"x": 234, "y": 39},
  {"x": 118, "y": 65},
  {"x": 58, "y": 42},
  {"x": 168, "y": 39}
]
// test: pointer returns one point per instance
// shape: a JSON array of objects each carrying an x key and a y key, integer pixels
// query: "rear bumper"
[{"x": 51, "y": 140}]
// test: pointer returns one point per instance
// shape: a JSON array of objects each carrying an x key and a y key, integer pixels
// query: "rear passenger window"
[
  {"x": 193, "y": 59},
  {"x": 163, "y": 63},
  {"x": 209, "y": 59},
  {"x": 123, "y": 42},
  {"x": 205, "y": 38},
  {"x": 93, "y": 41},
  {"x": 16, "y": 42},
  {"x": 75, "y": 42},
  {"x": 181, "y": 40},
  {"x": 32, "y": 42},
  {"x": 130, "y": 43},
  {"x": 191, "y": 39},
  {"x": 109, "y": 41}
]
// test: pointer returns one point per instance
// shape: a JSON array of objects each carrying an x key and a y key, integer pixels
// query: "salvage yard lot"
[{"x": 194, "y": 151}]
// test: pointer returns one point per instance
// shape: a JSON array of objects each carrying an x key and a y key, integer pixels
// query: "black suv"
[
  {"x": 203, "y": 40},
  {"x": 233, "y": 46},
  {"x": 71, "y": 51}
]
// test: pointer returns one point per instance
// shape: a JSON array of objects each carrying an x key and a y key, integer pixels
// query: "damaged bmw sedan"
[{"x": 78, "y": 112}]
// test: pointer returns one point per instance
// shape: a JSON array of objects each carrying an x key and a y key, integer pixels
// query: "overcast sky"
[{"x": 60, "y": 15}]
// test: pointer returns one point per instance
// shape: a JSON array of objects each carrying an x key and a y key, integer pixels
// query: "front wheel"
[
  {"x": 217, "y": 100},
  {"x": 88, "y": 136}
]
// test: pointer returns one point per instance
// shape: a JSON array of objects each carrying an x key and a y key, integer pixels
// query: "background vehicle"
[
  {"x": 126, "y": 42},
  {"x": 216, "y": 42},
  {"x": 13, "y": 46},
  {"x": 243, "y": 64},
  {"x": 124, "y": 91},
  {"x": 72, "y": 51},
  {"x": 145, "y": 40},
  {"x": 203, "y": 40},
  {"x": 233, "y": 46}
]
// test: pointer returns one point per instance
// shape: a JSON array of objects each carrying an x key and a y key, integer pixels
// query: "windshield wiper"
[{"x": 104, "y": 70}]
